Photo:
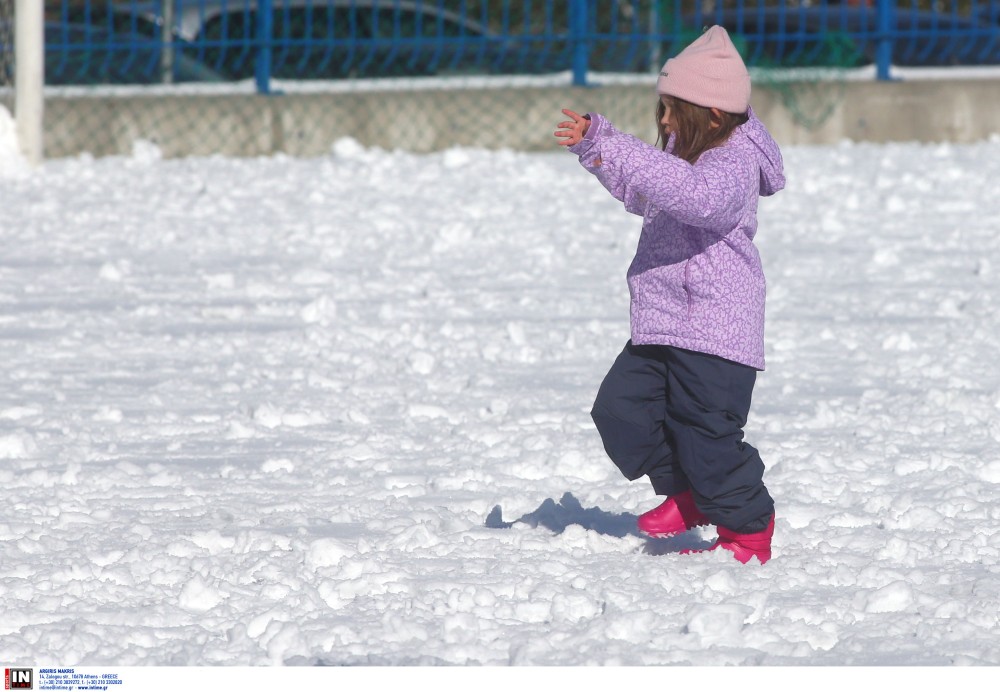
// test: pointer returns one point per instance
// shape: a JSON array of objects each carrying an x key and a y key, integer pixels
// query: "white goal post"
[{"x": 29, "y": 77}]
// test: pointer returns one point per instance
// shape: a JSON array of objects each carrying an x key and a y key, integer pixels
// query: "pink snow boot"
[
  {"x": 744, "y": 546},
  {"x": 678, "y": 514}
]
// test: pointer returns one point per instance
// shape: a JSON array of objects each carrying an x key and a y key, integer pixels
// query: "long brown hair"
[{"x": 693, "y": 126}]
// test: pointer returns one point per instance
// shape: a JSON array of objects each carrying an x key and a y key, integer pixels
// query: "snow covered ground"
[{"x": 335, "y": 411}]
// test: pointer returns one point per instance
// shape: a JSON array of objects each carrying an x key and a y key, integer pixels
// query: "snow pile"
[
  {"x": 336, "y": 411},
  {"x": 11, "y": 160}
]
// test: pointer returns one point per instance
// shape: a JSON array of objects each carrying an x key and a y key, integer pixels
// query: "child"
[{"x": 674, "y": 403}]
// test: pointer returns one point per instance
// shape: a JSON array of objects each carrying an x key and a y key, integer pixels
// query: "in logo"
[{"x": 18, "y": 679}]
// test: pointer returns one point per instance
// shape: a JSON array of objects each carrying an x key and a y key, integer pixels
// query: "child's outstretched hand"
[{"x": 573, "y": 130}]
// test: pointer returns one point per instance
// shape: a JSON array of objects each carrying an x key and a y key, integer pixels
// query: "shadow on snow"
[{"x": 556, "y": 516}]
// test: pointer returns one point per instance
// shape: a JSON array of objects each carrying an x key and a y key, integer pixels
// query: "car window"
[
  {"x": 118, "y": 21},
  {"x": 338, "y": 23},
  {"x": 289, "y": 23},
  {"x": 406, "y": 23}
]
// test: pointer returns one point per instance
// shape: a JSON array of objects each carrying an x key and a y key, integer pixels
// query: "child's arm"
[
  {"x": 579, "y": 134},
  {"x": 639, "y": 174}
]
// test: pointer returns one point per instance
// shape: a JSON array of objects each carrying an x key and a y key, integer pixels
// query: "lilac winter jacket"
[{"x": 696, "y": 281}]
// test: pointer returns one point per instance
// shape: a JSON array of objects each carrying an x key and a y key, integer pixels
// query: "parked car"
[
  {"x": 317, "y": 39},
  {"x": 334, "y": 39},
  {"x": 846, "y": 36},
  {"x": 80, "y": 54}
]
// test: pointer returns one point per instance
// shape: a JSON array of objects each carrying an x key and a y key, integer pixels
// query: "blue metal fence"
[{"x": 154, "y": 41}]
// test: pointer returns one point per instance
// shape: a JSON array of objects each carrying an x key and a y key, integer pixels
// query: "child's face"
[{"x": 665, "y": 120}]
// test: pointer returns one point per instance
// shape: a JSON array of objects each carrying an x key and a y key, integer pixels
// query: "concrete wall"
[{"x": 516, "y": 118}]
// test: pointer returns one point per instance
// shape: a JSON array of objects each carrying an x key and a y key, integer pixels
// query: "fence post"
[
  {"x": 654, "y": 33},
  {"x": 265, "y": 36},
  {"x": 578, "y": 25},
  {"x": 29, "y": 78},
  {"x": 167, "y": 37},
  {"x": 883, "y": 50}
]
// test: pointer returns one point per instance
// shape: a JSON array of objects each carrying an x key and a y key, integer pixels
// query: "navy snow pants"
[{"x": 677, "y": 417}]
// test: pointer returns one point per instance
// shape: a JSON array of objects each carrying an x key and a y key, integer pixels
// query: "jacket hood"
[{"x": 772, "y": 169}]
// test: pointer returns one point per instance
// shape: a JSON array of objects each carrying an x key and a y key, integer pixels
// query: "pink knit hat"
[{"x": 709, "y": 72}]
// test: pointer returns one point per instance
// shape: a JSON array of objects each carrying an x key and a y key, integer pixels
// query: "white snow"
[
  {"x": 11, "y": 161},
  {"x": 335, "y": 411}
]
